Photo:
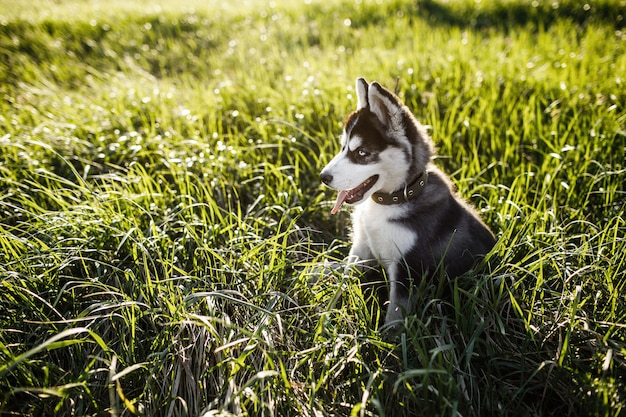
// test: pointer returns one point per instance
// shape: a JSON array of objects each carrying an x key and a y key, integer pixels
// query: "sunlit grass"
[{"x": 162, "y": 224}]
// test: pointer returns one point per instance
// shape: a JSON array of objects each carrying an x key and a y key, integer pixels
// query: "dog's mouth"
[{"x": 354, "y": 195}]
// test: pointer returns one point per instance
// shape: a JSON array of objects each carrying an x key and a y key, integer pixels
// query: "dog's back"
[{"x": 450, "y": 233}]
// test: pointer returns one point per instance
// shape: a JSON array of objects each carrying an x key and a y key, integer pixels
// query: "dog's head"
[{"x": 382, "y": 147}]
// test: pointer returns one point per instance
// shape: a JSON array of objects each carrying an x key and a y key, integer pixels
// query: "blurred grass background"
[{"x": 161, "y": 217}]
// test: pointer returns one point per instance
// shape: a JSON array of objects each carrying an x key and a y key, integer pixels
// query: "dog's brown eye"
[{"x": 362, "y": 153}]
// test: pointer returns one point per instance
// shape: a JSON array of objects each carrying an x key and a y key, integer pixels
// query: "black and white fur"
[{"x": 384, "y": 148}]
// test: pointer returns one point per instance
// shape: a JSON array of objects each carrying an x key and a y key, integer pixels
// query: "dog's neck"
[{"x": 406, "y": 194}]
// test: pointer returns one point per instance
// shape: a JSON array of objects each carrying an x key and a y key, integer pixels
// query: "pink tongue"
[{"x": 341, "y": 197}]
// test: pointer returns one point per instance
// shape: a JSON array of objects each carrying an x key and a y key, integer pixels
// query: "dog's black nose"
[{"x": 326, "y": 178}]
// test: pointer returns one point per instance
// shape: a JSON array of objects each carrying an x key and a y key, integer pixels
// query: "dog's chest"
[{"x": 387, "y": 240}]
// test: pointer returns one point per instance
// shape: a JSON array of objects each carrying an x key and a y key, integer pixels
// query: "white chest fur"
[{"x": 388, "y": 241}]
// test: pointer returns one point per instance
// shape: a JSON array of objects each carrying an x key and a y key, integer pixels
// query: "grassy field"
[{"x": 162, "y": 222}]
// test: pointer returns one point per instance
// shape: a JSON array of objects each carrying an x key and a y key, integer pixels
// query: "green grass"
[{"x": 162, "y": 221}]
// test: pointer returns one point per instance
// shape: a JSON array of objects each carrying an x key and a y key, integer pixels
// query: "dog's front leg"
[
  {"x": 360, "y": 257},
  {"x": 399, "y": 297}
]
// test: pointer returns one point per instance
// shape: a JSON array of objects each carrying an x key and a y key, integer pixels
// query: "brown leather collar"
[{"x": 408, "y": 193}]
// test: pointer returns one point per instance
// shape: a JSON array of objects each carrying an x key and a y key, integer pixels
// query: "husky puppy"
[{"x": 408, "y": 217}]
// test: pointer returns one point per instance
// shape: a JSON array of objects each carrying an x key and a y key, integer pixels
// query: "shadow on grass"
[
  {"x": 507, "y": 15},
  {"x": 500, "y": 15}
]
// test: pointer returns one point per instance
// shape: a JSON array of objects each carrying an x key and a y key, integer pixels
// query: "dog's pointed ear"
[
  {"x": 383, "y": 103},
  {"x": 361, "y": 93}
]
